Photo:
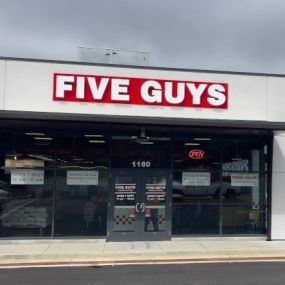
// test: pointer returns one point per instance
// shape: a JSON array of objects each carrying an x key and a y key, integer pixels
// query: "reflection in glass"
[
  {"x": 243, "y": 208},
  {"x": 128, "y": 153},
  {"x": 235, "y": 200},
  {"x": 196, "y": 205},
  {"x": 81, "y": 186},
  {"x": 124, "y": 204},
  {"x": 82, "y": 151},
  {"x": 26, "y": 203},
  {"x": 29, "y": 150},
  {"x": 155, "y": 197},
  {"x": 81, "y": 205}
]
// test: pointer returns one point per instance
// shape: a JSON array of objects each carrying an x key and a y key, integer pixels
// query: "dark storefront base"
[{"x": 57, "y": 207}]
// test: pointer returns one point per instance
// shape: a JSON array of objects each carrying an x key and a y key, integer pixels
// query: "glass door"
[
  {"x": 156, "y": 203},
  {"x": 123, "y": 206},
  {"x": 139, "y": 205}
]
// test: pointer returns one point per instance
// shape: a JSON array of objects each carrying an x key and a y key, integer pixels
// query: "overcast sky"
[{"x": 238, "y": 35}]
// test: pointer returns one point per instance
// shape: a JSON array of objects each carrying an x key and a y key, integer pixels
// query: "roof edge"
[{"x": 140, "y": 67}]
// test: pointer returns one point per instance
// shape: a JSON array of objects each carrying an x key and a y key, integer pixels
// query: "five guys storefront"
[{"x": 128, "y": 153}]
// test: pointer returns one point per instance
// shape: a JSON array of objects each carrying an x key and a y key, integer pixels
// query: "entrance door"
[{"x": 139, "y": 205}]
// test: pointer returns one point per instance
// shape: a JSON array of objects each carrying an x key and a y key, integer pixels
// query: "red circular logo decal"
[{"x": 196, "y": 154}]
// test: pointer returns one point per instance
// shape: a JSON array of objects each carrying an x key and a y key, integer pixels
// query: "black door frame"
[{"x": 139, "y": 233}]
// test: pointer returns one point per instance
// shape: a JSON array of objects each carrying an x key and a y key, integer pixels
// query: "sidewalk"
[{"x": 99, "y": 252}]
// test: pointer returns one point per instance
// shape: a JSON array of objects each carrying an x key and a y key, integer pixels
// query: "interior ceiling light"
[
  {"x": 202, "y": 139},
  {"x": 93, "y": 136},
  {"x": 42, "y": 143},
  {"x": 43, "y": 138},
  {"x": 35, "y": 134},
  {"x": 96, "y": 141},
  {"x": 42, "y": 157},
  {"x": 146, "y": 142},
  {"x": 188, "y": 143}
]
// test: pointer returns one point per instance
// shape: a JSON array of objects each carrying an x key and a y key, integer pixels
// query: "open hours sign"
[
  {"x": 125, "y": 192},
  {"x": 27, "y": 177},
  {"x": 155, "y": 192}
]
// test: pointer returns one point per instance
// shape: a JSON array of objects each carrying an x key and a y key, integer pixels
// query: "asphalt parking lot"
[{"x": 269, "y": 273}]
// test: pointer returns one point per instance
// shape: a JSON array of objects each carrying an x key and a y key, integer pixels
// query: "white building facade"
[{"x": 140, "y": 153}]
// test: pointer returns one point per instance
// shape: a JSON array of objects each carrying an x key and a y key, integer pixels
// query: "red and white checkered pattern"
[
  {"x": 123, "y": 220},
  {"x": 161, "y": 220}
]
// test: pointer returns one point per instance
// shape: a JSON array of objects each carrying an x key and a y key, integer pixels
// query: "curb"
[{"x": 140, "y": 262}]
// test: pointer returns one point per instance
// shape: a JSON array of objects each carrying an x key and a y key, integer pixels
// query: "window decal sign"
[
  {"x": 196, "y": 178},
  {"x": 155, "y": 192},
  {"x": 27, "y": 177},
  {"x": 139, "y": 91},
  {"x": 244, "y": 179},
  {"x": 125, "y": 192},
  {"x": 82, "y": 177}
]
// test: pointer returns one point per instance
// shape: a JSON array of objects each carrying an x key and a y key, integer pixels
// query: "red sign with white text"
[{"x": 139, "y": 91}]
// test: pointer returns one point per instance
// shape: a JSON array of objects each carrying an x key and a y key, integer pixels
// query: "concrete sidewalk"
[{"x": 99, "y": 252}]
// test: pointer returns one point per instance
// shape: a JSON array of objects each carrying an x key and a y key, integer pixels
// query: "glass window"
[
  {"x": 26, "y": 202},
  {"x": 243, "y": 187},
  {"x": 29, "y": 150},
  {"x": 61, "y": 181},
  {"x": 83, "y": 151},
  {"x": 130, "y": 153},
  {"x": 219, "y": 186},
  {"x": 196, "y": 202},
  {"x": 124, "y": 204},
  {"x": 197, "y": 153},
  {"x": 81, "y": 186},
  {"x": 26, "y": 179},
  {"x": 81, "y": 202},
  {"x": 155, "y": 203}
]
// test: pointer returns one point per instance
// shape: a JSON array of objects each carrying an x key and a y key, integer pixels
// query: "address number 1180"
[{"x": 141, "y": 164}]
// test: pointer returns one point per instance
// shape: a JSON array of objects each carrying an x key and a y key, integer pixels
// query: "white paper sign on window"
[
  {"x": 244, "y": 179},
  {"x": 82, "y": 177},
  {"x": 27, "y": 177},
  {"x": 196, "y": 178}
]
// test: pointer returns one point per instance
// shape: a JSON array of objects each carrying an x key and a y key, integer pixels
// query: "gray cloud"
[{"x": 242, "y": 35}]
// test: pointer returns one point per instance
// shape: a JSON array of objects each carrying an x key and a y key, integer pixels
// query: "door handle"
[
  {"x": 142, "y": 207},
  {"x": 137, "y": 207}
]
